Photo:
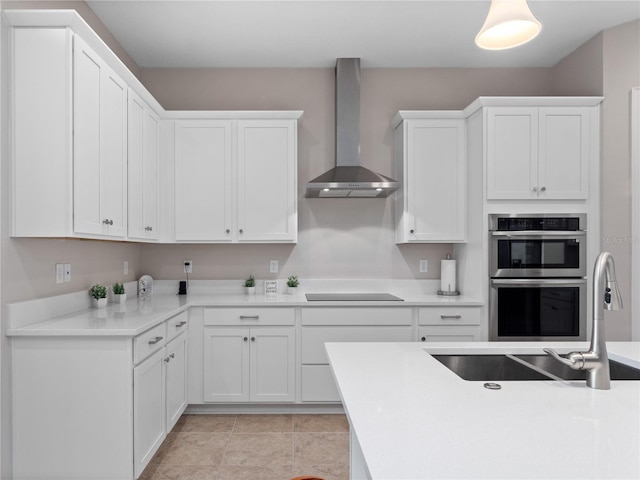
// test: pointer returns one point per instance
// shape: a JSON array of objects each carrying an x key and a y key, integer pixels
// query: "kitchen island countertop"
[{"x": 415, "y": 419}]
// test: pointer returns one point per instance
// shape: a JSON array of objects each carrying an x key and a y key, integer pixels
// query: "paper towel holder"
[{"x": 449, "y": 293}]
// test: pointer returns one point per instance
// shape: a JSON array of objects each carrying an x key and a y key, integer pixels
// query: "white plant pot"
[
  {"x": 292, "y": 290},
  {"x": 121, "y": 298},
  {"x": 250, "y": 290},
  {"x": 99, "y": 303}
]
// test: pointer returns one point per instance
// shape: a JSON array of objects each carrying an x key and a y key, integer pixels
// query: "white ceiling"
[{"x": 307, "y": 33}]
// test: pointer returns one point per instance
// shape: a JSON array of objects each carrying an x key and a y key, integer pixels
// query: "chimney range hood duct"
[{"x": 348, "y": 178}]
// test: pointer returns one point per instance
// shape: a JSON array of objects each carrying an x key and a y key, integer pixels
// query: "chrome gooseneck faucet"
[{"x": 605, "y": 295}]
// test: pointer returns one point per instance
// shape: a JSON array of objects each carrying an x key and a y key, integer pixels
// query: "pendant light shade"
[{"x": 509, "y": 24}]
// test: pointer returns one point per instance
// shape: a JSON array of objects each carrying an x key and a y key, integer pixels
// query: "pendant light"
[{"x": 509, "y": 24}]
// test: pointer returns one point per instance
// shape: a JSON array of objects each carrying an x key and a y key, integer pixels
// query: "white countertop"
[
  {"x": 140, "y": 314},
  {"x": 416, "y": 419}
]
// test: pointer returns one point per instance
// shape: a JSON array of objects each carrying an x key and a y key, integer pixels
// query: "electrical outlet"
[
  {"x": 424, "y": 266},
  {"x": 59, "y": 272},
  {"x": 67, "y": 272},
  {"x": 188, "y": 266},
  {"x": 273, "y": 266},
  {"x": 126, "y": 267}
]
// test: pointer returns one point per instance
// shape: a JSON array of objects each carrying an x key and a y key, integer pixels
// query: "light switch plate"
[
  {"x": 273, "y": 266},
  {"x": 424, "y": 266},
  {"x": 59, "y": 272}
]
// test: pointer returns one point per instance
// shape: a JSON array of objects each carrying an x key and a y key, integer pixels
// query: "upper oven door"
[{"x": 530, "y": 254}]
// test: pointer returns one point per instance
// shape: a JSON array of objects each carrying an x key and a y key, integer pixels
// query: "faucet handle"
[{"x": 575, "y": 360}]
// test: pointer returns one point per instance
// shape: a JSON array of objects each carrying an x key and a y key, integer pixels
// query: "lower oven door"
[{"x": 537, "y": 309}]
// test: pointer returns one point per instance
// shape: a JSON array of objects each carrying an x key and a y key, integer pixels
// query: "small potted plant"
[
  {"x": 250, "y": 285},
  {"x": 99, "y": 295},
  {"x": 119, "y": 294},
  {"x": 292, "y": 284}
]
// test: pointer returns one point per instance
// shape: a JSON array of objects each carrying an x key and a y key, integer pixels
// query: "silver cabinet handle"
[
  {"x": 240, "y": 230},
  {"x": 106, "y": 221},
  {"x": 156, "y": 340},
  {"x": 253, "y": 339},
  {"x": 249, "y": 317},
  {"x": 245, "y": 339},
  {"x": 181, "y": 324},
  {"x": 535, "y": 189},
  {"x": 411, "y": 231},
  {"x": 173, "y": 355},
  {"x": 543, "y": 189},
  {"x": 446, "y": 317},
  {"x": 167, "y": 359},
  {"x": 227, "y": 231},
  {"x": 423, "y": 339}
]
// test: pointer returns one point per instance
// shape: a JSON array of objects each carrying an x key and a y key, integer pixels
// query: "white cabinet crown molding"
[
  {"x": 542, "y": 101},
  {"x": 424, "y": 114},
  {"x": 72, "y": 20},
  {"x": 233, "y": 114}
]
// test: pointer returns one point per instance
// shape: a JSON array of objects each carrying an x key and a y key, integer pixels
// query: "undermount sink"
[{"x": 474, "y": 367}]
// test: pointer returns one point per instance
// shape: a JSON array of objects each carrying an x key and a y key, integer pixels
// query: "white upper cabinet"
[
  {"x": 538, "y": 152},
  {"x": 431, "y": 165},
  {"x": 235, "y": 180},
  {"x": 143, "y": 136},
  {"x": 203, "y": 195},
  {"x": 100, "y": 146},
  {"x": 267, "y": 193}
]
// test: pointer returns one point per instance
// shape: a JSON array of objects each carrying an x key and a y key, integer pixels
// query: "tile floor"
[{"x": 255, "y": 447}]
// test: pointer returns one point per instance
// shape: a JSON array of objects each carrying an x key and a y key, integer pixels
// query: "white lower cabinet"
[
  {"x": 249, "y": 364},
  {"x": 159, "y": 387},
  {"x": 251, "y": 357},
  {"x": 449, "y": 324},
  {"x": 350, "y": 324},
  {"x": 95, "y": 407}
]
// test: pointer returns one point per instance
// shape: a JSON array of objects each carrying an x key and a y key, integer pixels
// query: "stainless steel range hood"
[{"x": 348, "y": 178}]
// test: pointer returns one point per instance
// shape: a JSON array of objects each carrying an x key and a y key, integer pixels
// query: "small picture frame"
[{"x": 270, "y": 287}]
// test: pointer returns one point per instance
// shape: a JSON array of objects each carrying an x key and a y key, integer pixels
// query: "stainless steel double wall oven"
[{"x": 537, "y": 269}]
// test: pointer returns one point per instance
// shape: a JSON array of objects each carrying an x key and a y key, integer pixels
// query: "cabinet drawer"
[
  {"x": 318, "y": 384},
  {"x": 148, "y": 342},
  {"x": 449, "y": 316},
  {"x": 249, "y": 316},
  {"x": 440, "y": 333},
  {"x": 356, "y": 316},
  {"x": 314, "y": 338},
  {"x": 176, "y": 325}
]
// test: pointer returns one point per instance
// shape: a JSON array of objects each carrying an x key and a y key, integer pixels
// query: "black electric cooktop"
[{"x": 352, "y": 297}]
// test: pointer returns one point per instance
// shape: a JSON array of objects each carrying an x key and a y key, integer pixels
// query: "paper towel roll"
[{"x": 448, "y": 275}]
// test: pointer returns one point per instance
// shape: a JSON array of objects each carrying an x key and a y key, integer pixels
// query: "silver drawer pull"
[
  {"x": 249, "y": 317},
  {"x": 157, "y": 339},
  {"x": 181, "y": 324},
  {"x": 449, "y": 317}
]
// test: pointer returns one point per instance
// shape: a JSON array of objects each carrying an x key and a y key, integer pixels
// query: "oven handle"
[
  {"x": 538, "y": 233},
  {"x": 526, "y": 282}
]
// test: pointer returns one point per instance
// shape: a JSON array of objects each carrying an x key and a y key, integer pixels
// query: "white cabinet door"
[
  {"x": 143, "y": 136},
  {"x": 203, "y": 168},
  {"x": 432, "y": 205},
  {"x": 512, "y": 153},
  {"x": 272, "y": 365},
  {"x": 538, "y": 153},
  {"x": 100, "y": 150},
  {"x": 564, "y": 153},
  {"x": 176, "y": 379},
  {"x": 226, "y": 365},
  {"x": 148, "y": 409},
  {"x": 267, "y": 181},
  {"x": 445, "y": 333}
]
